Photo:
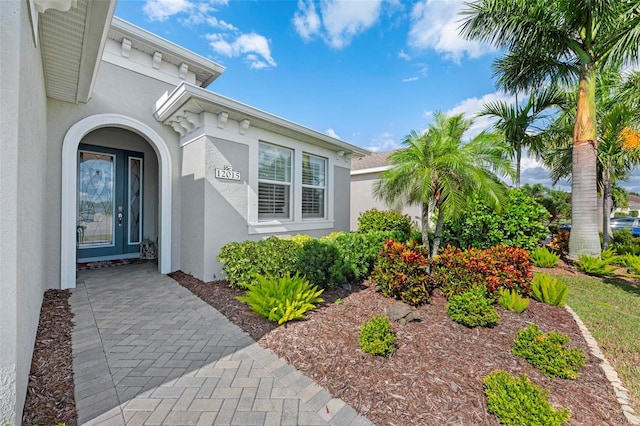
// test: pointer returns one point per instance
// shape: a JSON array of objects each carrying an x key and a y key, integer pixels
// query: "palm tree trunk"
[
  {"x": 518, "y": 164},
  {"x": 425, "y": 225},
  {"x": 436, "y": 237},
  {"x": 607, "y": 197},
  {"x": 584, "y": 237}
]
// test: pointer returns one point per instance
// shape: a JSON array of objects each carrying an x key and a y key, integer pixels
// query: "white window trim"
[
  {"x": 289, "y": 184},
  {"x": 323, "y": 187},
  {"x": 296, "y": 224}
]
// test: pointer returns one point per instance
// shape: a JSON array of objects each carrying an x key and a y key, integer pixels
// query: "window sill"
[{"x": 273, "y": 227}]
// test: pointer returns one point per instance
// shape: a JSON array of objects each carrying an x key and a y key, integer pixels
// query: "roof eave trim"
[
  {"x": 170, "y": 103},
  {"x": 167, "y": 46},
  {"x": 370, "y": 170},
  {"x": 98, "y": 23}
]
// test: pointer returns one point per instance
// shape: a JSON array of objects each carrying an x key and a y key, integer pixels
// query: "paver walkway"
[{"x": 148, "y": 351}]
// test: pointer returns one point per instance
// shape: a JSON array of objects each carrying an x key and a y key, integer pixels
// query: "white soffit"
[
  {"x": 206, "y": 71},
  {"x": 188, "y": 99},
  {"x": 72, "y": 42}
]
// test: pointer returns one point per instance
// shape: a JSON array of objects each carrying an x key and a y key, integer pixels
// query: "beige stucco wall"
[
  {"x": 362, "y": 199},
  {"x": 217, "y": 211},
  {"x": 22, "y": 214},
  {"x": 116, "y": 91}
]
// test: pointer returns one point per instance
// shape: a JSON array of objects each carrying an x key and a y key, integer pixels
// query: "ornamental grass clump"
[
  {"x": 517, "y": 401},
  {"x": 548, "y": 352},
  {"x": 376, "y": 336},
  {"x": 550, "y": 290},
  {"x": 597, "y": 266},
  {"x": 281, "y": 299},
  {"x": 511, "y": 300},
  {"x": 473, "y": 308},
  {"x": 541, "y": 257}
]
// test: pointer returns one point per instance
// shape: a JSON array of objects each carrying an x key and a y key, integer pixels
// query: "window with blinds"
[
  {"x": 274, "y": 182},
  {"x": 313, "y": 186}
]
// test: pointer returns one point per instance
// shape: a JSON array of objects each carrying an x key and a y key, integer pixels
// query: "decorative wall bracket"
[
  {"x": 244, "y": 126},
  {"x": 61, "y": 5}
]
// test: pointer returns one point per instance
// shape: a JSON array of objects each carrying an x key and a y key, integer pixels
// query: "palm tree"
[
  {"x": 562, "y": 41},
  {"x": 436, "y": 169},
  {"x": 519, "y": 123},
  {"x": 617, "y": 152}
]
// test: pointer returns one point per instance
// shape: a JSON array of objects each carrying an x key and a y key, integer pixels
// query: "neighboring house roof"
[
  {"x": 375, "y": 162},
  {"x": 182, "y": 107},
  {"x": 634, "y": 201}
]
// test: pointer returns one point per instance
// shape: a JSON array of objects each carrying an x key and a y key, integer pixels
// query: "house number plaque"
[{"x": 227, "y": 173}]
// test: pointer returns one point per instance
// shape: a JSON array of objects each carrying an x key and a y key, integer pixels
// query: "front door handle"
[{"x": 119, "y": 219}]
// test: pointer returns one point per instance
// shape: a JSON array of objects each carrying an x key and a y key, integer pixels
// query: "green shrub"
[
  {"x": 300, "y": 239},
  {"x": 383, "y": 220},
  {"x": 402, "y": 272},
  {"x": 455, "y": 271},
  {"x": 560, "y": 243},
  {"x": 520, "y": 223},
  {"x": 619, "y": 214},
  {"x": 243, "y": 261},
  {"x": 473, "y": 308},
  {"x": 543, "y": 258},
  {"x": 359, "y": 252},
  {"x": 281, "y": 299},
  {"x": 321, "y": 263},
  {"x": 376, "y": 337},
  {"x": 594, "y": 265},
  {"x": 550, "y": 290},
  {"x": 623, "y": 236},
  {"x": 548, "y": 352},
  {"x": 517, "y": 401},
  {"x": 511, "y": 300},
  {"x": 633, "y": 213}
]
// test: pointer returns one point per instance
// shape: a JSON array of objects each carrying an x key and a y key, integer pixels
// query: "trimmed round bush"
[
  {"x": 376, "y": 337},
  {"x": 473, "y": 309}
]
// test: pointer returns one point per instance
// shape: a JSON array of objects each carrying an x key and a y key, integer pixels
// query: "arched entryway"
[{"x": 71, "y": 142}]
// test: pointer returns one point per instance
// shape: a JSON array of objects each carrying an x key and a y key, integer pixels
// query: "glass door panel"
[
  {"x": 135, "y": 200},
  {"x": 96, "y": 199}
]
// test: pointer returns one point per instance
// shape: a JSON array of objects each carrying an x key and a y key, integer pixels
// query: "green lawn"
[{"x": 611, "y": 311}]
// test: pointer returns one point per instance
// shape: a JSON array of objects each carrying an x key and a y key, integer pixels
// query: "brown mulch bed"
[
  {"x": 50, "y": 393},
  {"x": 435, "y": 375}
]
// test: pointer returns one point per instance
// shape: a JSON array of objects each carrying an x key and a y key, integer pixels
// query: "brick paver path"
[{"x": 147, "y": 351}]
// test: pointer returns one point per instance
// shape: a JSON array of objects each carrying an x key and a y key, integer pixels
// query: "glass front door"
[{"x": 109, "y": 203}]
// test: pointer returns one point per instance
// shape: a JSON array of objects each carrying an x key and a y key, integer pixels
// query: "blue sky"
[{"x": 365, "y": 71}]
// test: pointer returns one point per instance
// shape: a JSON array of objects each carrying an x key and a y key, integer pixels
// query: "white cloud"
[
  {"x": 339, "y": 20},
  {"x": 332, "y": 133},
  {"x": 435, "y": 25},
  {"x": 253, "y": 47},
  {"x": 422, "y": 73},
  {"x": 160, "y": 10},
  {"x": 403, "y": 55},
  {"x": 384, "y": 142},
  {"x": 471, "y": 106},
  {"x": 197, "y": 12},
  {"x": 306, "y": 20}
]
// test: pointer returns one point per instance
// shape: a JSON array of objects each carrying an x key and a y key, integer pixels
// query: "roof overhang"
[
  {"x": 72, "y": 42},
  {"x": 189, "y": 99}
]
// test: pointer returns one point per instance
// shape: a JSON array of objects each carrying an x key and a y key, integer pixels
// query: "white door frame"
[{"x": 69, "y": 188}]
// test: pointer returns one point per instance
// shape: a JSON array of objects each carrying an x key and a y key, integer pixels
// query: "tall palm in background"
[
  {"x": 520, "y": 124},
  {"x": 566, "y": 41},
  {"x": 437, "y": 170},
  {"x": 618, "y": 151}
]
